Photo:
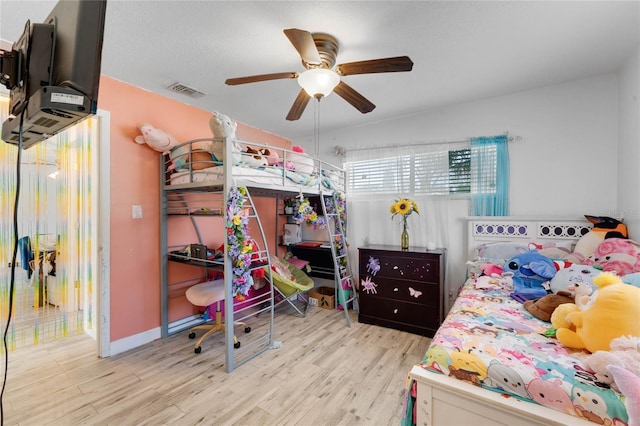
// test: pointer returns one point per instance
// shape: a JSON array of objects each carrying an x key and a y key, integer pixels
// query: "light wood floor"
[
  {"x": 324, "y": 374},
  {"x": 42, "y": 324}
]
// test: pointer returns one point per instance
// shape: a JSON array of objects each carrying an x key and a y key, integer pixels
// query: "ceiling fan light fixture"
[{"x": 318, "y": 82}]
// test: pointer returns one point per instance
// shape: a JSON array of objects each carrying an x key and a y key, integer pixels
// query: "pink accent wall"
[{"x": 135, "y": 180}]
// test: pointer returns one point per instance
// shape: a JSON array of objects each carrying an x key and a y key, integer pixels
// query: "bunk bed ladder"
[
  {"x": 333, "y": 207},
  {"x": 253, "y": 307}
]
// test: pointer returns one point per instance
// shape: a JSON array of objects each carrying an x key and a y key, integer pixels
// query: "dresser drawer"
[
  {"x": 390, "y": 312},
  {"x": 411, "y": 266},
  {"x": 422, "y": 293},
  {"x": 401, "y": 289}
]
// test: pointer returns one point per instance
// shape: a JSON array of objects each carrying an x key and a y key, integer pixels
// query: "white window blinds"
[{"x": 436, "y": 169}]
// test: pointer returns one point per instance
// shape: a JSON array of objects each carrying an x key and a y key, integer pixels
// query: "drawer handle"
[
  {"x": 395, "y": 311},
  {"x": 395, "y": 289}
]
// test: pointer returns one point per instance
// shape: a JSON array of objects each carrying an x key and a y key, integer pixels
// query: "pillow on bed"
[
  {"x": 555, "y": 252},
  {"x": 498, "y": 253},
  {"x": 302, "y": 162},
  {"x": 632, "y": 279}
]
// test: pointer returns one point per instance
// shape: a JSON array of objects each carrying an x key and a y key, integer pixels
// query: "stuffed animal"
[
  {"x": 603, "y": 227},
  {"x": 629, "y": 385},
  {"x": 572, "y": 274},
  {"x": 272, "y": 156},
  {"x": 624, "y": 352},
  {"x": 490, "y": 269},
  {"x": 530, "y": 270},
  {"x": 302, "y": 162},
  {"x": 163, "y": 142},
  {"x": 618, "y": 255},
  {"x": 559, "y": 317},
  {"x": 224, "y": 127},
  {"x": 254, "y": 158},
  {"x": 612, "y": 312},
  {"x": 544, "y": 307},
  {"x": 582, "y": 292}
]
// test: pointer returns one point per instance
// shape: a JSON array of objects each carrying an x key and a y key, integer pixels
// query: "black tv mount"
[
  {"x": 9, "y": 68},
  {"x": 53, "y": 72}
]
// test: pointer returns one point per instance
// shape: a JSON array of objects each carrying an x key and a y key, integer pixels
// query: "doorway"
[{"x": 56, "y": 275}]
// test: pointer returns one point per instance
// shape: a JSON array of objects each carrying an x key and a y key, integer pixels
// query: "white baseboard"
[{"x": 134, "y": 341}]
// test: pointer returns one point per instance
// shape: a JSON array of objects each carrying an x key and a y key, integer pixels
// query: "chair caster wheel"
[
  {"x": 197, "y": 350},
  {"x": 247, "y": 329},
  {"x": 192, "y": 335},
  {"x": 236, "y": 345}
]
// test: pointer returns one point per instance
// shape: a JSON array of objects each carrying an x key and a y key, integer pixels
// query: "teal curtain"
[{"x": 490, "y": 176}]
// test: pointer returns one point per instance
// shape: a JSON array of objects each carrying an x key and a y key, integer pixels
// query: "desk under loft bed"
[{"x": 197, "y": 192}]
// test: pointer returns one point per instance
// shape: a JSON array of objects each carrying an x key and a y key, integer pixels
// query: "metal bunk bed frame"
[{"x": 184, "y": 199}]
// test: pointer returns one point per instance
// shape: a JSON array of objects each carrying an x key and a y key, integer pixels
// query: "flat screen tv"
[{"x": 53, "y": 72}]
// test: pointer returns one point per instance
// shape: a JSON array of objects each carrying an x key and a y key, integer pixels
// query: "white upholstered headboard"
[{"x": 482, "y": 230}]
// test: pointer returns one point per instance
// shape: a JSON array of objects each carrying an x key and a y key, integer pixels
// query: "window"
[
  {"x": 380, "y": 176},
  {"x": 444, "y": 172}
]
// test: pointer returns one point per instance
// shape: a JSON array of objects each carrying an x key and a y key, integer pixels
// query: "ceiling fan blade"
[
  {"x": 262, "y": 77},
  {"x": 397, "y": 64},
  {"x": 298, "y": 106},
  {"x": 354, "y": 98},
  {"x": 303, "y": 42}
]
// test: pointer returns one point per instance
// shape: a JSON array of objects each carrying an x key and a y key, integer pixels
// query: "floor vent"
[{"x": 186, "y": 90}]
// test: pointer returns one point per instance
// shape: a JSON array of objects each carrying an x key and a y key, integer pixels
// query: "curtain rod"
[{"x": 509, "y": 139}]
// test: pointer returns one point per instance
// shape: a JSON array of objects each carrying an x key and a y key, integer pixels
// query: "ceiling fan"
[{"x": 322, "y": 76}]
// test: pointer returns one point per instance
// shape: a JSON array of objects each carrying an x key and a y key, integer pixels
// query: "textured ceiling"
[{"x": 462, "y": 50}]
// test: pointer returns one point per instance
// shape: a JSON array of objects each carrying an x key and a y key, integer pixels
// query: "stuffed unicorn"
[{"x": 223, "y": 127}]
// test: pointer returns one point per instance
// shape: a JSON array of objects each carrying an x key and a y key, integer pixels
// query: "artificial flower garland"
[
  {"x": 303, "y": 212},
  {"x": 341, "y": 210},
  {"x": 239, "y": 244}
]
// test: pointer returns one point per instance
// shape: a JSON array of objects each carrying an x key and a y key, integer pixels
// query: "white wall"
[
  {"x": 566, "y": 163},
  {"x": 629, "y": 145}
]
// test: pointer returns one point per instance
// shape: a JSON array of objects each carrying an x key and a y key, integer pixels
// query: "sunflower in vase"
[{"x": 404, "y": 207}]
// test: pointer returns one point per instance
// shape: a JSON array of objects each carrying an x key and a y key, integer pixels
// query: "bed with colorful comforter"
[
  {"x": 491, "y": 362},
  {"x": 490, "y": 341}
]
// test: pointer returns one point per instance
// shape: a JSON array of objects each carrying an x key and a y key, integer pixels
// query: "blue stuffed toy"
[{"x": 530, "y": 270}]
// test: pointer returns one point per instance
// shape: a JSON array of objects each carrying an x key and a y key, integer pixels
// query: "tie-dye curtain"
[{"x": 52, "y": 292}]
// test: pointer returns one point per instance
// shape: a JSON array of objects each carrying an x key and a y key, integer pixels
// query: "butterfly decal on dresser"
[{"x": 415, "y": 293}]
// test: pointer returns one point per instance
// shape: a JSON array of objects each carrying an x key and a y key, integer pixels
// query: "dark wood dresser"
[{"x": 402, "y": 288}]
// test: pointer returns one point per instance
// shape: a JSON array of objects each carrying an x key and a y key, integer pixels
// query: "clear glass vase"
[{"x": 404, "y": 238}]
